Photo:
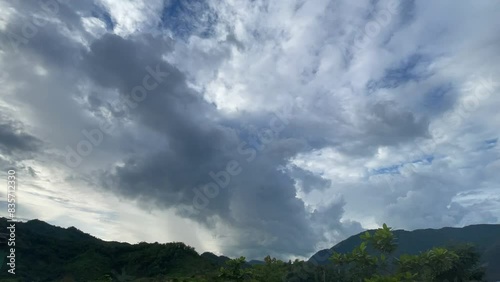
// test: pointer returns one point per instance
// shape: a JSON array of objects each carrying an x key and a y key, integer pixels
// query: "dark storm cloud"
[
  {"x": 173, "y": 149},
  {"x": 382, "y": 123},
  {"x": 260, "y": 199},
  {"x": 259, "y": 204},
  {"x": 195, "y": 142},
  {"x": 200, "y": 143},
  {"x": 14, "y": 140},
  {"x": 310, "y": 181},
  {"x": 35, "y": 31},
  {"x": 385, "y": 123}
]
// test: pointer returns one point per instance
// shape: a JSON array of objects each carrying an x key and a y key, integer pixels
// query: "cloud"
[
  {"x": 268, "y": 127},
  {"x": 14, "y": 140}
]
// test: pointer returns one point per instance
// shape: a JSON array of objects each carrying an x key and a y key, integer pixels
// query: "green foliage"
[
  {"x": 428, "y": 265},
  {"x": 466, "y": 266},
  {"x": 234, "y": 271},
  {"x": 383, "y": 240},
  {"x": 272, "y": 270},
  {"x": 48, "y": 253},
  {"x": 379, "y": 265}
]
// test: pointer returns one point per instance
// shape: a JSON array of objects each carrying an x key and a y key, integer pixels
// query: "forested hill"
[
  {"x": 485, "y": 237},
  {"x": 49, "y": 253}
]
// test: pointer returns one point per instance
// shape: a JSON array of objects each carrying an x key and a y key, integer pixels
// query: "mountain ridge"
[
  {"x": 71, "y": 254},
  {"x": 485, "y": 238}
]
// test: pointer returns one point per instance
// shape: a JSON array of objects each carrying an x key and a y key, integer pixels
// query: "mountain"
[
  {"x": 215, "y": 259},
  {"x": 49, "y": 253},
  {"x": 45, "y": 252},
  {"x": 485, "y": 237},
  {"x": 255, "y": 262}
]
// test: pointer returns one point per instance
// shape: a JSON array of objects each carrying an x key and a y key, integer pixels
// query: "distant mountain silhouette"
[
  {"x": 218, "y": 260},
  {"x": 485, "y": 237},
  {"x": 49, "y": 253}
]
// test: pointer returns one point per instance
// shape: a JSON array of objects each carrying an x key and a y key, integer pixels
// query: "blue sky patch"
[
  {"x": 490, "y": 143},
  {"x": 438, "y": 99},
  {"x": 412, "y": 68},
  {"x": 394, "y": 169},
  {"x": 103, "y": 16},
  {"x": 188, "y": 17}
]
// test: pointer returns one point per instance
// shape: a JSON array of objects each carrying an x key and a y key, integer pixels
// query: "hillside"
[
  {"x": 485, "y": 237},
  {"x": 49, "y": 253}
]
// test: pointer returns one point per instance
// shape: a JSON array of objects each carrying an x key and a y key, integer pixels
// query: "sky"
[{"x": 249, "y": 128}]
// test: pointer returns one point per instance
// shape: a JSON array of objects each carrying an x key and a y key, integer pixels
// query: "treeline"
[
  {"x": 371, "y": 261},
  {"x": 48, "y": 253}
]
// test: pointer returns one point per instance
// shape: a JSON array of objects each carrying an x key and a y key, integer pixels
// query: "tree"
[
  {"x": 467, "y": 267},
  {"x": 373, "y": 261},
  {"x": 273, "y": 270},
  {"x": 234, "y": 271},
  {"x": 361, "y": 264}
]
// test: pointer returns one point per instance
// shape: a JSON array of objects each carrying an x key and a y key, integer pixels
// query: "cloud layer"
[{"x": 251, "y": 128}]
